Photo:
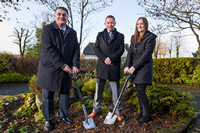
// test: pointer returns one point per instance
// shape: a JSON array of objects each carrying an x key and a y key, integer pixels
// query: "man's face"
[
  {"x": 110, "y": 24},
  {"x": 140, "y": 26},
  {"x": 61, "y": 17}
]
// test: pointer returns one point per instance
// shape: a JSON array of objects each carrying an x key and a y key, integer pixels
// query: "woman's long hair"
[{"x": 137, "y": 37}]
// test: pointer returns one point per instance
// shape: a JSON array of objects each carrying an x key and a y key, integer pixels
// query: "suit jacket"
[
  {"x": 140, "y": 57},
  {"x": 56, "y": 51},
  {"x": 105, "y": 47}
]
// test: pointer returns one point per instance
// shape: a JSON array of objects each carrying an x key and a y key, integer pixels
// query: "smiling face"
[
  {"x": 140, "y": 26},
  {"x": 61, "y": 18},
  {"x": 110, "y": 23}
]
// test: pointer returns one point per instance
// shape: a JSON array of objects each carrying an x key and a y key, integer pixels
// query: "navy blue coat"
[
  {"x": 56, "y": 51},
  {"x": 104, "y": 47},
  {"x": 140, "y": 57}
]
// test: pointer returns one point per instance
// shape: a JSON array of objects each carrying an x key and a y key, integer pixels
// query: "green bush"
[
  {"x": 194, "y": 79},
  {"x": 33, "y": 87},
  {"x": 81, "y": 80},
  {"x": 5, "y": 64},
  {"x": 89, "y": 87},
  {"x": 167, "y": 100},
  {"x": 173, "y": 70},
  {"x": 14, "y": 77}
]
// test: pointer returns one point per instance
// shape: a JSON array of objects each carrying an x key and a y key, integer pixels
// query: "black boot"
[
  {"x": 139, "y": 116},
  {"x": 144, "y": 119},
  {"x": 48, "y": 126}
]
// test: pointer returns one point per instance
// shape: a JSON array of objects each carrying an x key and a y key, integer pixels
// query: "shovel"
[
  {"x": 111, "y": 117},
  {"x": 88, "y": 123}
]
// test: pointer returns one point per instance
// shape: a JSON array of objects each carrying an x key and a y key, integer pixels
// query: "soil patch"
[{"x": 159, "y": 121}]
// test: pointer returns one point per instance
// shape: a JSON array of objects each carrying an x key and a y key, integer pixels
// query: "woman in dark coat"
[{"x": 140, "y": 63}]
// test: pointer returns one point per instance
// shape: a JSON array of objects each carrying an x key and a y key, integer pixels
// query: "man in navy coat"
[
  {"x": 109, "y": 47},
  {"x": 60, "y": 55}
]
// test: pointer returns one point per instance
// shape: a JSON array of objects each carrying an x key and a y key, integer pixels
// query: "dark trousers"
[
  {"x": 48, "y": 104},
  {"x": 143, "y": 99}
]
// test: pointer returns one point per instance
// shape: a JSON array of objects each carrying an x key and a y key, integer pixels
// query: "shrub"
[
  {"x": 107, "y": 92},
  {"x": 194, "y": 79},
  {"x": 81, "y": 80},
  {"x": 33, "y": 87},
  {"x": 5, "y": 64},
  {"x": 89, "y": 87},
  {"x": 173, "y": 70},
  {"x": 167, "y": 100},
  {"x": 14, "y": 77},
  {"x": 24, "y": 65}
]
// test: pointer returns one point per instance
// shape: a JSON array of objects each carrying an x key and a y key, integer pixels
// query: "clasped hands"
[
  {"x": 66, "y": 68},
  {"x": 107, "y": 61},
  {"x": 129, "y": 70}
]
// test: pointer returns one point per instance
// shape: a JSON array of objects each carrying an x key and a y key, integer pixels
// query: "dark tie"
[
  {"x": 110, "y": 35},
  {"x": 63, "y": 31}
]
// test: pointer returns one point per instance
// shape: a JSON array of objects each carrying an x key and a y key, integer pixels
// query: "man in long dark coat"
[
  {"x": 109, "y": 47},
  {"x": 60, "y": 55}
]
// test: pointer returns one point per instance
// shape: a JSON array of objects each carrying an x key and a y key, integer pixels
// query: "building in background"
[{"x": 90, "y": 54}]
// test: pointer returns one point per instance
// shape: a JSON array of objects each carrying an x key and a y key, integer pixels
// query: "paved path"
[{"x": 7, "y": 89}]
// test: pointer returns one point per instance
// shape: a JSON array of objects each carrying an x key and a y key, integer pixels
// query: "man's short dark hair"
[
  {"x": 110, "y": 16},
  {"x": 62, "y": 8}
]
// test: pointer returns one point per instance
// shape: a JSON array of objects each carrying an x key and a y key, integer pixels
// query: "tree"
[
  {"x": 169, "y": 47},
  {"x": 23, "y": 38},
  {"x": 162, "y": 50},
  {"x": 179, "y": 14},
  {"x": 157, "y": 46},
  {"x": 178, "y": 43},
  {"x": 83, "y": 9},
  {"x": 14, "y": 4},
  {"x": 34, "y": 51}
]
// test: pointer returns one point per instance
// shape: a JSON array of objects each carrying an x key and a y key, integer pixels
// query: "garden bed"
[{"x": 10, "y": 123}]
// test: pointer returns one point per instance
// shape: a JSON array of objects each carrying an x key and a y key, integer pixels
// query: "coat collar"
[
  {"x": 55, "y": 26},
  {"x": 113, "y": 33}
]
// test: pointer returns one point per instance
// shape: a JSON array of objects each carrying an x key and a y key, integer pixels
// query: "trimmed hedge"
[
  {"x": 14, "y": 77},
  {"x": 173, "y": 70}
]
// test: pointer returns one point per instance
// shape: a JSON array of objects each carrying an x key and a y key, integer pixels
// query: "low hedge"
[
  {"x": 14, "y": 77},
  {"x": 173, "y": 70}
]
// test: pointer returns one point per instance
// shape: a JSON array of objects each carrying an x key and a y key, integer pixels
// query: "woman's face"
[{"x": 140, "y": 26}]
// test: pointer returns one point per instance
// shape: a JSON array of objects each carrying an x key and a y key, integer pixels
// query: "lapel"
[
  {"x": 107, "y": 37},
  {"x": 68, "y": 29}
]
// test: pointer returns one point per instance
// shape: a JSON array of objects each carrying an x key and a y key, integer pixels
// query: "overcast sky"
[{"x": 126, "y": 14}]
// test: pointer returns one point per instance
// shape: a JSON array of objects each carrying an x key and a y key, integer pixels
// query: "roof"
[
  {"x": 88, "y": 50},
  {"x": 126, "y": 46},
  {"x": 194, "y": 54}
]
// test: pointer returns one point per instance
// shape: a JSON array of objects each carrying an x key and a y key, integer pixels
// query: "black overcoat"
[
  {"x": 56, "y": 51},
  {"x": 105, "y": 47},
  {"x": 140, "y": 57}
]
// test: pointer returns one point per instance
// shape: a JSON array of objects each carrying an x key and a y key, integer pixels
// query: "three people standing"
[{"x": 60, "y": 55}]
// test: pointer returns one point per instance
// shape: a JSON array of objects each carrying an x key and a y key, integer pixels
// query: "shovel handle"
[
  {"x": 80, "y": 96},
  {"x": 120, "y": 95}
]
